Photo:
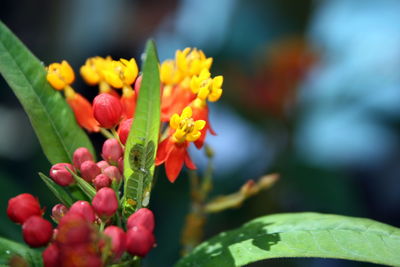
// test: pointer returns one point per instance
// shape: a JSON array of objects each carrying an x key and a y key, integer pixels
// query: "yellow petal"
[
  {"x": 204, "y": 74},
  {"x": 186, "y": 113},
  {"x": 193, "y": 136},
  {"x": 179, "y": 135},
  {"x": 217, "y": 81},
  {"x": 55, "y": 81},
  {"x": 199, "y": 125},
  {"x": 67, "y": 72},
  {"x": 112, "y": 79},
  {"x": 215, "y": 95},
  {"x": 174, "y": 121},
  {"x": 194, "y": 84},
  {"x": 90, "y": 76},
  {"x": 203, "y": 93}
]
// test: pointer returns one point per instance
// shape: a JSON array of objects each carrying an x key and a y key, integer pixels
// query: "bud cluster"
[
  {"x": 100, "y": 174},
  {"x": 81, "y": 234}
]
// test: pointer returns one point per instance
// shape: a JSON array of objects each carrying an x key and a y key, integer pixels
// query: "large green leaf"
[
  {"x": 51, "y": 117},
  {"x": 141, "y": 145},
  {"x": 10, "y": 249},
  {"x": 300, "y": 235}
]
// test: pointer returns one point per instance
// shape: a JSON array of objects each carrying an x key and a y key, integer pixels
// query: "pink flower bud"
[
  {"x": 107, "y": 110},
  {"x": 118, "y": 240},
  {"x": 81, "y": 155},
  {"x": 102, "y": 165},
  {"x": 101, "y": 181},
  {"x": 23, "y": 206},
  {"x": 37, "y": 231},
  {"x": 139, "y": 241},
  {"x": 143, "y": 217},
  {"x": 121, "y": 164},
  {"x": 58, "y": 211},
  {"x": 105, "y": 202},
  {"x": 61, "y": 175},
  {"x": 89, "y": 170},
  {"x": 124, "y": 129},
  {"x": 84, "y": 209},
  {"x": 111, "y": 151},
  {"x": 113, "y": 173},
  {"x": 74, "y": 229},
  {"x": 51, "y": 256}
]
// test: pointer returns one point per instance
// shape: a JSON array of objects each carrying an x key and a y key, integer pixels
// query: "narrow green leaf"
[
  {"x": 50, "y": 116},
  {"x": 141, "y": 146},
  {"x": 300, "y": 235},
  {"x": 86, "y": 188},
  {"x": 57, "y": 190},
  {"x": 10, "y": 249}
]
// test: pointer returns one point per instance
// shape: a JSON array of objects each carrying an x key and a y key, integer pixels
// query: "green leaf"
[
  {"x": 300, "y": 235},
  {"x": 10, "y": 249},
  {"x": 57, "y": 190},
  {"x": 141, "y": 146},
  {"x": 51, "y": 117}
]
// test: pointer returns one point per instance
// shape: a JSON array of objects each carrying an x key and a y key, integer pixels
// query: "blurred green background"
[{"x": 311, "y": 91}]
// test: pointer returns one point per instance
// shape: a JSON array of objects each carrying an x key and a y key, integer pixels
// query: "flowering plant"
[{"x": 149, "y": 117}]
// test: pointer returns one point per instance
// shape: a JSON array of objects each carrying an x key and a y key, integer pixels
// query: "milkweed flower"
[
  {"x": 173, "y": 150},
  {"x": 206, "y": 89},
  {"x": 60, "y": 75},
  {"x": 121, "y": 73}
]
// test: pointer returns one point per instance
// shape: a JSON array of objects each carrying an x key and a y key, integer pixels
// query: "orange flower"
[
  {"x": 173, "y": 150},
  {"x": 82, "y": 109},
  {"x": 174, "y": 100}
]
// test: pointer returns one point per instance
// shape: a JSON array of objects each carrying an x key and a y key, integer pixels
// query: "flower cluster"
[
  {"x": 186, "y": 86},
  {"x": 80, "y": 238}
]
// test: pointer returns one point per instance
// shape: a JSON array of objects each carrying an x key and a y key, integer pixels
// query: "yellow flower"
[
  {"x": 121, "y": 73},
  {"x": 192, "y": 61},
  {"x": 186, "y": 129},
  {"x": 60, "y": 75},
  {"x": 169, "y": 73},
  {"x": 205, "y": 87},
  {"x": 93, "y": 68}
]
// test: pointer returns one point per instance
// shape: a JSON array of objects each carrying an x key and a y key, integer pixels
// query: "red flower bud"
[
  {"x": 139, "y": 241},
  {"x": 51, "y": 256},
  {"x": 61, "y": 175},
  {"x": 107, "y": 110},
  {"x": 37, "y": 231},
  {"x": 101, "y": 181},
  {"x": 143, "y": 217},
  {"x": 23, "y": 206},
  {"x": 124, "y": 129},
  {"x": 105, "y": 202},
  {"x": 84, "y": 209},
  {"x": 73, "y": 229},
  {"x": 113, "y": 173},
  {"x": 89, "y": 170},
  {"x": 111, "y": 151},
  {"x": 118, "y": 240},
  {"x": 102, "y": 164},
  {"x": 81, "y": 155},
  {"x": 58, "y": 212},
  {"x": 121, "y": 164}
]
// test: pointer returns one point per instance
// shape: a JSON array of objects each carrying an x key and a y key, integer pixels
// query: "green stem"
[{"x": 106, "y": 133}]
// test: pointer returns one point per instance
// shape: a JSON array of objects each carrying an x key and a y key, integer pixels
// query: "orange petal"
[
  {"x": 163, "y": 151},
  {"x": 189, "y": 163},
  {"x": 174, "y": 162},
  {"x": 83, "y": 112}
]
